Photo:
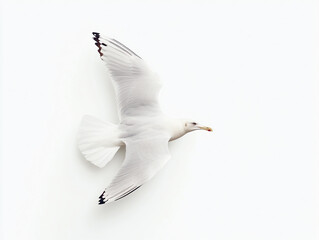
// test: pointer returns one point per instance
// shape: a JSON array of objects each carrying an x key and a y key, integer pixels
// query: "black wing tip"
[
  {"x": 102, "y": 195},
  {"x": 96, "y": 38},
  {"x": 117, "y": 43},
  {"x": 96, "y": 34},
  {"x": 102, "y": 199}
]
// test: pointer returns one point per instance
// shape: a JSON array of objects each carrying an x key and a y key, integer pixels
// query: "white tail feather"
[{"x": 98, "y": 141}]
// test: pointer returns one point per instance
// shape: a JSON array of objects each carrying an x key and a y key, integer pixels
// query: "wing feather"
[
  {"x": 136, "y": 87},
  {"x": 144, "y": 158}
]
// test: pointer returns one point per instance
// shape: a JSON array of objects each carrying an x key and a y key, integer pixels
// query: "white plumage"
[{"x": 143, "y": 128}]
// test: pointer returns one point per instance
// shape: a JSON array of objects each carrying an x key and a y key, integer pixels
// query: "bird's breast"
[{"x": 176, "y": 135}]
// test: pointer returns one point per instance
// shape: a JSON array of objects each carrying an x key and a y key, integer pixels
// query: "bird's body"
[
  {"x": 143, "y": 128},
  {"x": 173, "y": 128}
]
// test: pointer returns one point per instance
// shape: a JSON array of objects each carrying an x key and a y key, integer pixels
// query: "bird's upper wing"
[
  {"x": 144, "y": 158},
  {"x": 135, "y": 85}
]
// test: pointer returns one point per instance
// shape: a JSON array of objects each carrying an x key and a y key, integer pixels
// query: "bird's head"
[{"x": 192, "y": 126}]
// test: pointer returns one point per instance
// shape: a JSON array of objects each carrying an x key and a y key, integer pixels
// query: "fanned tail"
[{"x": 98, "y": 140}]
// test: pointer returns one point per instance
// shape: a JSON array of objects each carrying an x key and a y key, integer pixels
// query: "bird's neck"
[{"x": 177, "y": 129}]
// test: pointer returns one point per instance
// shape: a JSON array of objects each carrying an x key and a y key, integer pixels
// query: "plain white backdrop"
[{"x": 248, "y": 69}]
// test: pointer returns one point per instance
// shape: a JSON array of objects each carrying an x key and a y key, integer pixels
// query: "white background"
[{"x": 248, "y": 69}]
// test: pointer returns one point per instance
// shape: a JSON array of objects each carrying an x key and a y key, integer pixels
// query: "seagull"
[{"x": 144, "y": 129}]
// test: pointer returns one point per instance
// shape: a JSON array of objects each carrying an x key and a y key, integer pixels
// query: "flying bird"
[{"x": 143, "y": 128}]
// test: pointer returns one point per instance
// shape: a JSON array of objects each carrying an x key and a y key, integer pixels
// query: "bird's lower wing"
[{"x": 144, "y": 158}]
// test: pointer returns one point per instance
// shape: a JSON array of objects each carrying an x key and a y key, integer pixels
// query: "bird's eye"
[{"x": 194, "y": 123}]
